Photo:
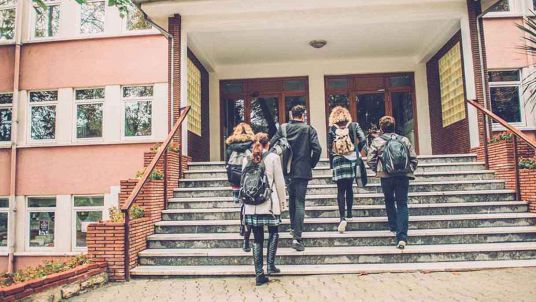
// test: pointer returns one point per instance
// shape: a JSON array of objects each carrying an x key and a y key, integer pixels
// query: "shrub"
[
  {"x": 527, "y": 163},
  {"x": 156, "y": 175},
  {"x": 135, "y": 212},
  {"x": 43, "y": 270},
  {"x": 139, "y": 174},
  {"x": 174, "y": 147},
  {"x": 503, "y": 136}
]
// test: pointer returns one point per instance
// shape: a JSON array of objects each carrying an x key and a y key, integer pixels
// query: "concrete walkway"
[{"x": 489, "y": 285}]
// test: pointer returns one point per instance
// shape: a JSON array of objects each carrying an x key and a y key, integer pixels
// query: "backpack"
[
  {"x": 342, "y": 143},
  {"x": 254, "y": 188},
  {"x": 234, "y": 166},
  {"x": 283, "y": 149},
  {"x": 395, "y": 156}
]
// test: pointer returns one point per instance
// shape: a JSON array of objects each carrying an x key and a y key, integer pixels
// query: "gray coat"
[{"x": 274, "y": 172}]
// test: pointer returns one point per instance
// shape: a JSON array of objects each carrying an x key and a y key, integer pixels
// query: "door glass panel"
[
  {"x": 234, "y": 115},
  {"x": 335, "y": 100},
  {"x": 403, "y": 114},
  {"x": 338, "y": 83},
  {"x": 370, "y": 108},
  {"x": 400, "y": 81},
  {"x": 265, "y": 115},
  {"x": 294, "y": 85},
  {"x": 291, "y": 101}
]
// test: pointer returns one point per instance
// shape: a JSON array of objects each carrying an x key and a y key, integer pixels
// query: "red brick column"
[
  {"x": 174, "y": 86},
  {"x": 528, "y": 187}
]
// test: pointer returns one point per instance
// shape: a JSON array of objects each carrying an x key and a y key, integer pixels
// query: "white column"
[
  {"x": 470, "y": 86},
  {"x": 215, "y": 116},
  {"x": 423, "y": 110},
  {"x": 317, "y": 106}
]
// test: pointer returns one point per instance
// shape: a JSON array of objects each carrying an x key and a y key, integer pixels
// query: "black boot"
[
  {"x": 245, "y": 245},
  {"x": 260, "y": 278},
  {"x": 272, "y": 250}
]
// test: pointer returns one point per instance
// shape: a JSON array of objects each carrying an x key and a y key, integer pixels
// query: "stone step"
[
  {"x": 347, "y": 255},
  {"x": 432, "y": 167},
  {"x": 357, "y": 224},
  {"x": 465, "y": 185},
  {"x": 326, "y": 179},
  {"x": 325, "y": 269},
  {"x": 352, "y": 238},
  {"x": 449, "y": 158},
  {"x": 361, "y": 198},
  {"x": 358, "y": 210}
]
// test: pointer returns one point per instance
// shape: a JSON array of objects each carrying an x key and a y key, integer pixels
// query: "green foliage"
[
  {"x": 122, "y": 5},
  {"x": 504, "y": 136},
  {"x": 528, "y": 27},
  {"x": 527, "y": 163},
  {"x": 156, "y": 175},
  {"x": 135, "y": 212},
  {"x": 43, "y": 270}
]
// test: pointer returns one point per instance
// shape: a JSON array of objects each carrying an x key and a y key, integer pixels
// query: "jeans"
[
  {"x": 395, "y": 189},
  {"x": 345, "y": 190},
  {"x": 297, "y": 188}
]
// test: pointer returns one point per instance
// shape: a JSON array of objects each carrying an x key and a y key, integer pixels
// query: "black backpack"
[
  {"x": 282, "y": 148},
  {"x": 395, "y": 155},
  {"x": 254, "y": 187}
]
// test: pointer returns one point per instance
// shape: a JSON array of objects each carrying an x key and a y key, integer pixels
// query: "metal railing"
[
  {"x": 516, "y": 135},
  {"x": 162, "y": 151}
]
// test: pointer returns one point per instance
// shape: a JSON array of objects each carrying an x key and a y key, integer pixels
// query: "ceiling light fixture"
[{"x": 318, "y": 43}]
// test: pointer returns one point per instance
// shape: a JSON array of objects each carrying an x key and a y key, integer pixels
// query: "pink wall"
[
  {"x": 22, "y": 262},
  {"x": 93, "y": 62},
  {"x": 76, "y": 169},
  {"x": 503, "y": 40},
  {"x": 5, "y": 158},
  {"x": 7, "y": 59}
]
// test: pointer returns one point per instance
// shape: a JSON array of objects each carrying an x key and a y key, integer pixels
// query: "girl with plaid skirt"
[
  {"x": 345, "y": 142},
  {"x": 268, "y": 213}
]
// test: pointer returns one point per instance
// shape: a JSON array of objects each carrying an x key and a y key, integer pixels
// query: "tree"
[
  {"x": 122, "y": 5},
  {"x": 529, "y": 83}
]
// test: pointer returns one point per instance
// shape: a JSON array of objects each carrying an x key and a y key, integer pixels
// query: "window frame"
[
  {"x": 27, "y": 221},
  {"x": 75, "y": 115},
  {"x": 124, "y": 101},
  {"x": 29, "y": 117},
  {"x": 79, "y": 21},
  {"x": 125, "y": 29},
  {"x": 523, "y": 123},
  {"x": 4, "y": 249},
  {"x": 75, "y": 210},
  {"x": 6, "y": 7},
  {"x": 33, "y": 19},
  {"x": 8, "y": 106}
]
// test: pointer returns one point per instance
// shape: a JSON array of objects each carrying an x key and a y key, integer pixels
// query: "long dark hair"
[{"x": 261, "y": 141}]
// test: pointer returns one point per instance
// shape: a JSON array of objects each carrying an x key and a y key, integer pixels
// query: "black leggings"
[
  {"x": 258, "y": 233},
  {"x": 344, "y": 189}
]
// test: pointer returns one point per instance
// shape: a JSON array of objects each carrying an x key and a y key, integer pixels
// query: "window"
[
  {"x": 41, "y": 220},
  {"x": 194, "y": 98},
  {"x": 501, "y": 6},
  {"x": 7, "y": 19},
  {"x": 138, "y": 110},
  {"x": 43, "y": 114},
  {"x": 451, "y": 86},
  {"x": 506, "y": 95},
  {"x": 4, "y": 216},
  {"x": 135, "y": 19},
  {"x": 47, "y": 20},
  {"x": 6, "y": 103},
  {"x": 89, "y": 106},
  {"x": 92, "y": 15},
  {"x": 87, "y": 209}
]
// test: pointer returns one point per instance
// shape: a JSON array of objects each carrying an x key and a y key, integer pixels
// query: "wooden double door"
[{"x": 369, "y": 97}]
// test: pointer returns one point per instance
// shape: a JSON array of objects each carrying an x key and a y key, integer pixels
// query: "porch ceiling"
[{"x": 405, "y": 39}]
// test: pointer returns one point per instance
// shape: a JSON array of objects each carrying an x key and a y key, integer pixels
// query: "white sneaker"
[
  {"x": 349, "y": 218},
  {"x": 342, "y": 226},
  {"x": 401, "y": 245}
]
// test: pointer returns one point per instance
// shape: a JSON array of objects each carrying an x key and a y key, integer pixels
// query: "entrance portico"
[{"x": 244, "y": 40}]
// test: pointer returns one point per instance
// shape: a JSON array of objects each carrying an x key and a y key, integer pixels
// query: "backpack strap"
[{"x": 284, "y": 130}]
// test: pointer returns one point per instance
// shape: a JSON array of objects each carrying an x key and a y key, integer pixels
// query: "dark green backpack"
[{"x": 395, "y": 155}]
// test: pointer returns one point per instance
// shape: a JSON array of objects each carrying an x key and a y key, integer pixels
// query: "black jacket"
[
  {"x": 306, "y": 149},
  {"x": 238, "y": 147},
  {"x": 355, "y": 132}
]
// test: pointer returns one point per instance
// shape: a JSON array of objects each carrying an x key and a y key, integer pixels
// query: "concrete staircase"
[{"x": 461, "y": 218}]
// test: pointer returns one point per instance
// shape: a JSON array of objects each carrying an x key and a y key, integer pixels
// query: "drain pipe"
[{"x": 12, "y": 226}]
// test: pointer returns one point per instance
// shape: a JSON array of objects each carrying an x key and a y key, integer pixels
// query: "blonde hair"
[
  {"x": 241, "y": 133},
  {"x": 339, "y": 114}
]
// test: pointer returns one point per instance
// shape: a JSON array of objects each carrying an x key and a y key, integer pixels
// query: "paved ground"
[{"x": 490, "y": 285}]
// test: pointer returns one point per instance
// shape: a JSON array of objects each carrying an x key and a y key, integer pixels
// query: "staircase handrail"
[{"x": 125, "y": 208}]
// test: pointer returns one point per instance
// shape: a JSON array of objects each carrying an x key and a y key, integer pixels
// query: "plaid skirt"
[
  {"x": 343, "y": 168},
  {"x": 262, "y": 220}
]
